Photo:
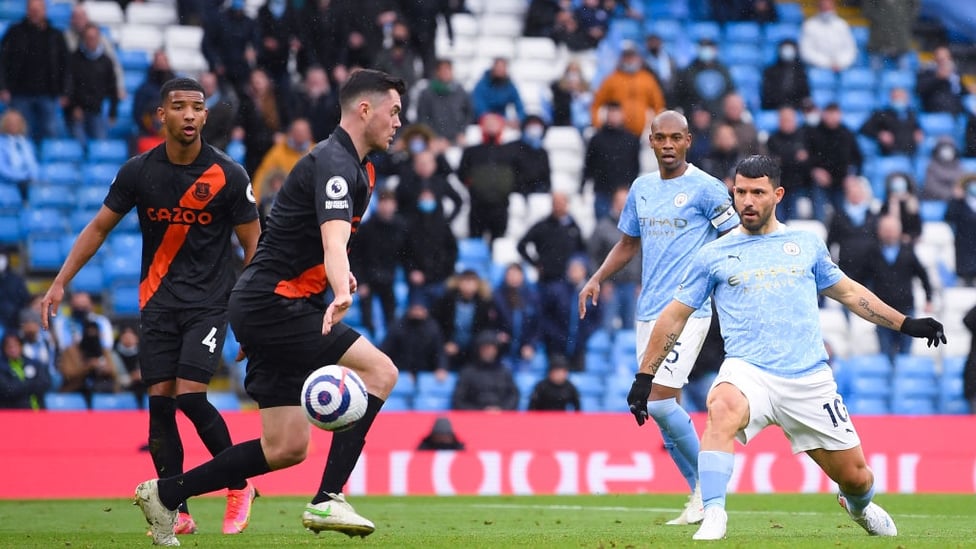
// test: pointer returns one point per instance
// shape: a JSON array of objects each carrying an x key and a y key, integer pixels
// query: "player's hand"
[
  {"x": 637, "y": 397},
  {"x": 590, "y": 291},
  {"x": 924, "y": 328},
  {"x": 50, "y": 304},
  {"x": 241, "y": 355},
  {"x": 333, "y": 315},
  {"x": 353, "y": 284}
]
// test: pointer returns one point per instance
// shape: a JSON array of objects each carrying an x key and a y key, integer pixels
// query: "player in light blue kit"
[
  {"x": 669, "y": 214},
  {"x": 765, "y": 279}
]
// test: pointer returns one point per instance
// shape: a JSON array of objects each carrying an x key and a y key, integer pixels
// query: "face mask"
[
  {"x": 417, "y": 145},
  {"x": 707, "y": 54},
  {"x": 298, "y": 146},
  {"x": 946, "y": 154},
  {"x": 812, "y": 118},
  {"x": 277, "y": 8},
  {"x": 3, "y": 263},
  {"x": 899, "y": 185},
  {"x": 573, "y": 78},
  {"x": 899, "y": 106},
  {"x": 534, "y": 131},
  {"x": 788, "y": 53},
  {"x": 79, "y": 315},
  {"x": 971, "y": 190},
  {"x": 630, "y": 67},
  {"x": 427, "y": 205},
  {"x": 826, "y": 16}
]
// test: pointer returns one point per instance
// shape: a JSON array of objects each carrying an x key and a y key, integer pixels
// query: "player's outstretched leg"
[
  {"x": 681, "y": 442},
  {"x": 213, "y": 432},
  {"x": 161, "y": 519},
  {"x": 166, "y": 450},
  {"x": 715, "y": 470}
]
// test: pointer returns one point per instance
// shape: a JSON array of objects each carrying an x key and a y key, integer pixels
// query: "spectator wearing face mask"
[
  {"x": 704, "y": 82},
  {"x": 488, "y": 171},
  {"x": 612, "y": 159},
  {"x": 961, "y": 216},
  {"x": 939, "y": 86},
  {"x": 571, "y": 98},
  {"x": 943, "y": 171},
  {"x": 531, "y": 159},
  {"x": 634, "y": 88},
  {"x": 661, "y": 64},
  {"x": 423, "y": 175},
  {"x": 896, "y": 127},
  {"x": 283, "y": 156},
  {"x": 901, "y": 202},
  {"x": 784, "y": 83},
  {"x": 430, "y": 250},
  {"x": 826, "y": 40}
]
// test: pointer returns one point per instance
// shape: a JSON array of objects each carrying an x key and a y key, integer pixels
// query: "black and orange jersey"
[
  {"x": 329, "y": 183},
  {"x": 187, "y": 215}
]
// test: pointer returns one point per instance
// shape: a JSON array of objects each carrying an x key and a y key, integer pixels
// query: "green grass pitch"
[{"x": 611, "y": 521}]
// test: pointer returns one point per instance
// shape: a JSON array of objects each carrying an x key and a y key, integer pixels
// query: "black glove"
[
  {"x": 637, "y": 397},
  {"x": 928, "y": 328}
]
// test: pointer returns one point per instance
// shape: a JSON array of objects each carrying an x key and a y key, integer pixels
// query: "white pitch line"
[{"x": 616, "y": 509}]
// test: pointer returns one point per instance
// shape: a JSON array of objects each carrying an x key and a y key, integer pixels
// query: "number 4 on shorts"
[{"x": 210, "y": 341}]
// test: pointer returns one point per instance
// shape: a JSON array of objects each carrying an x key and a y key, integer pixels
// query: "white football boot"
[
  {"x": 874, "y": 519},
  {"x": 336, "y": 515},
  {"x": 161, "y": 520},
  {"x": 694, "y": 510},
  {"x": 713, "y": 525}
]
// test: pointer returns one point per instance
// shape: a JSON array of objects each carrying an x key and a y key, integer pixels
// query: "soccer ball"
[{"x": 334, "y": 397}]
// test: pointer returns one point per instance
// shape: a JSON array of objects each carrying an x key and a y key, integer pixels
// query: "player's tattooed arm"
[
  {"x": 664, "y": 337},
  {"x": 669, "y": 342},
  {"x": 869, "y": 313}
]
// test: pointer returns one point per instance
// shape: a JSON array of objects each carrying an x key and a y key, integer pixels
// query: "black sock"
[
  {"x": 165, "y": 445},
  {"x": 210, "y": 425},
  {"x": 344, "y": 452},
  {"x": 244, "y": 460}
]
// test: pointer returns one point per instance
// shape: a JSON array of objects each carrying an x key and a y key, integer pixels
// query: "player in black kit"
[
  {"x": 190, "y": 197},
  {"x": 278, "y": 311}
]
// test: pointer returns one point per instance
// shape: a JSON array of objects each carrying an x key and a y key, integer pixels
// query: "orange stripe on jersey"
[
  {"x": 203, "y": 190},
  {"x": 371, "y": 174},
  {"x": 309, "y": 283}
]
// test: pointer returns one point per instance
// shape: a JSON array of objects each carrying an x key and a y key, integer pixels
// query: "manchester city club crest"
[
  {"x": 201, "y": 190},
  {"x": 680, "y": 199},
  {"x": 791, "y": 248}
]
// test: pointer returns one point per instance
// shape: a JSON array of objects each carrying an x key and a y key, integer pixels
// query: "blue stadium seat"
[
  {"x": 767, "y": 120},
  {"x": 667, "y": 10},
  {"x": 790, "y": 12},
  {"x": 10, "y": 199},
  {"x": 429, "y": 385},
  {"x": 854, "y": 119},
  {"x": 59, "y": 197},
  {"x": 61, "y": 150},
  {"x": 668, "y": 30},
  {"x": 129, "y": 224},
  {"x": 777, "y": 32},
  {"x": 431, "y": 403},
  {"x": 10, "y": 231},
  {"x": 587, "y": 383},
  {"x": 599, "y": 342},
  {"x": 858, "y": 79},
  {"x": 79, "y": 219},
  {"x": 867, "y": 365},
  {"x": 869, "y": 387},
  {"x": 224, "y": 401},
  {"x": 703, "y": 29},
  {"x": 473, "y": 249},
  {"x": 108, "y": 150},
  {"x": 64, "y": 402},
  {"x": 742, "y": 31},
  {"x": 745, "y": 76},
  {"x": 913, "y": 406},
  {"x": 867, "y": 406},
  {"x": 937, "y": 124},
  {"x": 861, "y": 34},
  {"x": 91, "y": 279},
  {"x": 955, "y": 406},
  {"x": 615, "y": 403},
  {"x": 133, "y": 60},
  {"x": 591, "y": 403},
  {"x": 913, "y": 387},
  {"x": 857, "y": 100},
  {"x": 131, "y": 80},
  {"x": 90, "y": 197},
  {"x": 932, "y": 210},
  {"x": 44, "y": 253},
  {"x": 123, "y": 268},
  {"x": 526, "y": 381},
  {"x": 124, "y": 299},
  {"x": 124, "y": 243},
  {"x": 99, "y": 173},
  {"x": 953, "y": 365},
  {"x": 915, "y": 366},
  {"x": 397, "y": 403},
  {"x": 114, "y": 402},
  {"x": 405, "y": 386},
  {"x": 43, "y": 221},
  {"x": 236, "y": 150},
  {"x": 897, "y": 79},
  {"x": 821, "y": 78},
  {"x": 822, "y": 97},
  {"x": 60, "y": 173}
]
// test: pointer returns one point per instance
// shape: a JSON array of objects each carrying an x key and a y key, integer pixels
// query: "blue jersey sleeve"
[
  {"x": 697, "y": 285},
  {"x": 629, "y": 224},
  {"x": 825, "y": 271},
  {"x": 719, "y": 208}
]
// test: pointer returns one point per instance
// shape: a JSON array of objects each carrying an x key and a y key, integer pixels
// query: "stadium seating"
[
  {"x": 108, "y": 151},
  {"x": 114, "y": 402},
  {"x": 43, "y": 221},
  {"x": 61, "y": 150},
  {"x": 64, "y": 402},
  {"x": 429, "y": 385},
  {"x": 133, "y": 60},
  {"x": 124, "y": 299},
  {"x": 122, "y": 268},
  {"x": 913, "y": 406},
  {"x": 59, "y": 197},
  {"x": 91, "y": 279},
  {"x": 10, "y": 199},
  {"x": 396, "y": 403},
  {"x": 432, "y": 403},
  {"x": 60, "y": 173},
  {"x": 867, "y": 406},
  {"x": 225, "y": 401}
]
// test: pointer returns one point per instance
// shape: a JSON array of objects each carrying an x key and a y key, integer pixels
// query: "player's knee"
[
  {"x": 386, "y": 375},
  {"x": 856, "y": 478},
  {"x": 284, "y": 455},
  {"x": 726, "y": 407}
]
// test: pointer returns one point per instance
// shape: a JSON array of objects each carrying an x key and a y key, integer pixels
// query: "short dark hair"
[
  {"x": 759, "y": 165},
  {"x": 179, "y": 84},
  {"x": 369, "y": 81}
]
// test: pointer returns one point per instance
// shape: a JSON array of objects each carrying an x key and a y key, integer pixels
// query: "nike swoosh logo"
[{"x": 318, "y": 512}]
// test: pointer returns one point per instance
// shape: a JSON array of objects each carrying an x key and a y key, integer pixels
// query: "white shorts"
[
  {"x": 808, "y": 409},
  {"x": 675, "y": 369}
]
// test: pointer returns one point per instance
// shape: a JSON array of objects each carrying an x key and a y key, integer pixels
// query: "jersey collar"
[{"x": 342, "y": 136}]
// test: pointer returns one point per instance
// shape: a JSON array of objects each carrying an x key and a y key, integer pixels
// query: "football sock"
[
  {"x": 344, "y": 452},
  {"x": 680, "y": 437},
  {"x": 210, "y": 425},
  {"x": 244, "y": 460},
  {"x": 165, "y": 445},
  {"x": 715, "y": 471},
  {"x": 856, "y": 504}
]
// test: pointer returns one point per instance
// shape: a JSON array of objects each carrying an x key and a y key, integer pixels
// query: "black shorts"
[
  {"x": 284, "y": 344},
  {"x": 181, "y": 344}
]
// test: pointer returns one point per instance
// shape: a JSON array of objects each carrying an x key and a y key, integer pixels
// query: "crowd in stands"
[{"x": 486, "y": 222}]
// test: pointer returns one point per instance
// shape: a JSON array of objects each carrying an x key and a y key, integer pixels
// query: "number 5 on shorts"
[{"x": 210, "y": 341}]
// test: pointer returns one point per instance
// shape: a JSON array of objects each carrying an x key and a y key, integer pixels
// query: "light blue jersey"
[
  {"x": 766, "y": 289},
  {"x": 673, "y": 218}
]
